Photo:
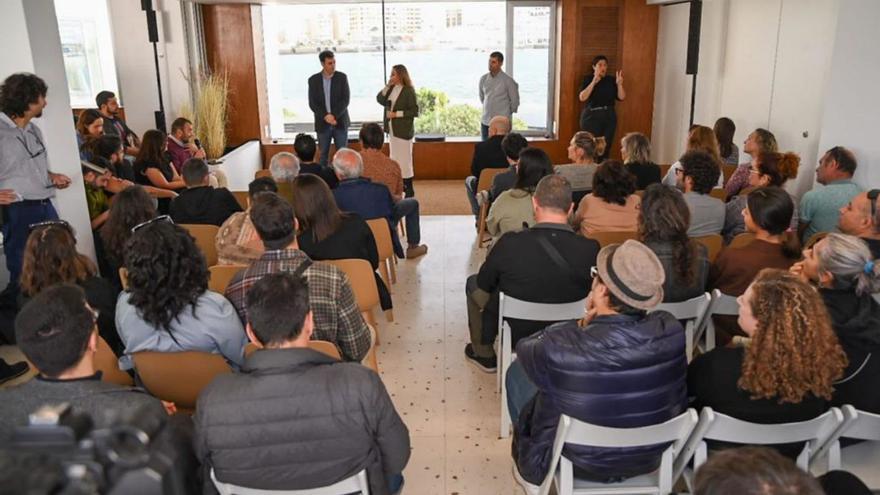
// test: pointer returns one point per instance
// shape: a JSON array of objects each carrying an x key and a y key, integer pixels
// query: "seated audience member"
[
  {"x": 635, "y": 150},
  {"x": 50, "y": 257},
  {"x": 130, "y": 207},
  {"x": 107, "y": 152},
  {"x": 337, "y": 317},
  {"x": 512, "y": 144},
  {"x": 357, "y": 194},
  {"x": 696, "y": 177},
  {"x": 724, "y": 131},
  {"x": 861, "y": 218},
  {"x": 700, "y": 138},
  {"x": 513, "y": 209},
  {"x": 624, "y": 368},
  {"x": 767, "y": 169},
  {"x": 663, "y": 223},
  {"x": 848, "y": 276},
  {"x": 487, "y": 154},
  {"x": 583, "y": 149},
  {"x": 753, "y": 471},
  {"x": 787, "y": 373},
  {"x": 152, "y": 167},
  {"x": 820, "y": 208},
  {"x": 97, "y": 201},
  {"x": 182, "y": 144},
  {"x": 284, "y": 167},
  {"x": 759, "y": 141},
  {"x": 305, "y": 148},
  {"x": 167, "y": 306},
  {"x": 89, "y": 125},
  {"x": 237, "y": 240},
  {"x": 613, "y": 205},
  {"x": 326, "y": 233},
  {"x": 108, "y": 105},
  {"x": 201, "y": 203},
  {"x": 327, "y": 419},
  {"x": 56, "y": 331},
  {"x": 557, "y": 271}
]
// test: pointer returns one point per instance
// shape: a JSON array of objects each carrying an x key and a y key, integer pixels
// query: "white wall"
[
  {"x": 134, "y": 61},
  {"x": 763, "y": 63},
  {"x": 30, "y": 30},
  {"x": 852, "y": 106}
]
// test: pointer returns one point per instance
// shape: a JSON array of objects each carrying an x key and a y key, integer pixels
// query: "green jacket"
[{"x": 406, "y": 103}]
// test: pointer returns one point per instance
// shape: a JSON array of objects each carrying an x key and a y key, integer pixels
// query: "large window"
[
  {"x": 87, "y": 46},
  {"x": 444, "y": 45}
]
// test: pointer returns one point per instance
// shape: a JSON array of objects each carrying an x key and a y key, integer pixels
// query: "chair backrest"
[
  {"x": 741, "y": 240},
  {"x": 664, "y": 169},
  {"x": 694, "y": 312},
  {"x": 723, "y": 428},
  {"x": 575, "y": 432},
  {"x": 606, "y": 238},
  {"x": 107, "y": 363},
  {"x": 362, "y": 279},
  {"x": 242, "y": 198},
  {"x": 723, "y": 304},
  {"x": 356, "y": 483},
  {"x": 178, "y": 377},
  {"x": 818, "y": 236},
  {"x": 264, "y": 172},
  {"x": 382, "y": 234},
  {"x": 859, "y": 425},
  {"x": 718, "y": 193},
  {"x": 221, "y": 275},
  {"x": 713, "y": 243},
  {"x": 728, "y": 171},
  {"x": 206, "y": 238},
  {"x": 487, "y": 175},
  {"x": 322, "y": 346},
  {"x": 511, "y": 307}
]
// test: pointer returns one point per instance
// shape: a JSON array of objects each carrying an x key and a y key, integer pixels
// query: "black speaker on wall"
[
  {"x": 152, "y": 28},
  {"x": 693, "y": 42}
]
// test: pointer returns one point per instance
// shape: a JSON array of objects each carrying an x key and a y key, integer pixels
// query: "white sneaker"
[{"x": 528, "y": 488}]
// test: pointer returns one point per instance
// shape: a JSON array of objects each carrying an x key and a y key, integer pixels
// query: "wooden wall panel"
[
  {"x": 624, "y": 30},
  {"x": 229, "y": 42}
]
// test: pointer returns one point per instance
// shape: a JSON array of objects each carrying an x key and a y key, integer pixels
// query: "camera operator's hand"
[{"x": 170, "y": 407}]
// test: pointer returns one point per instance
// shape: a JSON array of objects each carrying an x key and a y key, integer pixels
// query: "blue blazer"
[{"x": 339, "y": 98}]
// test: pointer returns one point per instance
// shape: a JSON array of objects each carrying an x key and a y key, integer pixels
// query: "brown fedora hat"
[{"x": 632, "y": 272}]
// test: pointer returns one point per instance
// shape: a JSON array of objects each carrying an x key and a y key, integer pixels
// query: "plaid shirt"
[
  {"x": 382, "y": 170},
  {"x": 336, "y": 314}
]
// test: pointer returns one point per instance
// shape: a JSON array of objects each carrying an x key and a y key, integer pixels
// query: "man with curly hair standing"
[{"x": 26, "y": 184}]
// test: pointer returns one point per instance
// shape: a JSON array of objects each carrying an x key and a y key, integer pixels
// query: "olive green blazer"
[{"x": 407, "y": 104}]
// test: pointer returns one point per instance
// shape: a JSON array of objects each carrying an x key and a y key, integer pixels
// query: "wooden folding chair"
[
  {"x": 242, "y": 198},
  {"x": 178, "y": 377},
  {"x": 713, "y": 243},
  {"x": 221, "y": 275},
  {"x": 363, "y": 283},
  {"x": 484, "y": 183},
  {"x": 265, "y": 172},
  {"x": 382, "y": 234},
  {"x": 108, "y": 364},
  {"x": 718, "y": 193},
  {"x": 206, "y": 239},
  {"x": 607, "y": 238},
  {"x": 741, "y": 240}
]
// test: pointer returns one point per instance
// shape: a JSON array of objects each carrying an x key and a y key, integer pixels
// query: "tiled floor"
[{"x": 451, "y": 409}]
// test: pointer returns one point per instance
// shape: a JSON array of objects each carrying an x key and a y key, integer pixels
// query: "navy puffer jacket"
[{"x": 620, "y": 371}]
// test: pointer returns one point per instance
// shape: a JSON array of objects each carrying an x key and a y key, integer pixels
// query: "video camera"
[{"x": 59, "y": 452}]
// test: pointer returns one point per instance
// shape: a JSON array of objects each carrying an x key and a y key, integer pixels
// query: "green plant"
[{"x": 436, "y": 116}]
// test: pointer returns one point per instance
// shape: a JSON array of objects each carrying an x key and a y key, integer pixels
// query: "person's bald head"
[
  {"x": 499, "y": 126},
  {"x": 348, "y": 164}
]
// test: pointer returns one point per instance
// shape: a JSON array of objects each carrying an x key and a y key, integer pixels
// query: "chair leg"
[
  {"x": 389, "y": 315},
  {"x": 383, "y": 273},
  {"x": 401, "y": 229},
  {"x": 484, "y": 210},
  {"x": 393, "y": 271}
]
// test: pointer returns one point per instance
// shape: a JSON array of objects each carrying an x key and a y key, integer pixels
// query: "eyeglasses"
[
  {"x": 50, "y": 223},
  {"x": 872, "y": 198},
  {"x": 39, "y": 142},
  {"x": 160, "y": 218}
]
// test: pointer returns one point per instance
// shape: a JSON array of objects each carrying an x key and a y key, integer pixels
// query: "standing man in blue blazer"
[{"x": 328, "y": 99}]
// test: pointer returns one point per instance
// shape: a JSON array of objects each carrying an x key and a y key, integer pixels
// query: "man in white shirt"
[{"x": 499, "y": 94}]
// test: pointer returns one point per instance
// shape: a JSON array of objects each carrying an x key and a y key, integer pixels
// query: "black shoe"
[
  {"x": 11, "y": 371},
  {"x": 486, "y": 365}
]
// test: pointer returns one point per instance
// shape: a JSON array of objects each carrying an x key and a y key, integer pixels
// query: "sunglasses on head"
[
  {"x": 50, "y": 223},
  {"x": 160, "y": 218}
]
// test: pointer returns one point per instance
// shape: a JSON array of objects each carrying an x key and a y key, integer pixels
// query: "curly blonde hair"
[{"x": 794, "y": 350}]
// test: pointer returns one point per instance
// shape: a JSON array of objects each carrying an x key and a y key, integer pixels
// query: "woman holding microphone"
[
  {"x": 401, "y": 108},
  {"x": 599, "y": 91}
]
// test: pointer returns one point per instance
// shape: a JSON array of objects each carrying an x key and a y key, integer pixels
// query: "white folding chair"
[
  {"x": 511, "y": 307},
  {"x": 571, "y": 431},
  {"x": 721, "y": 305},
  {"x": 356, "y": 483},
  {"x": 859, "y": 425},
  {"x": 694, "y": 312},
  {"x": 723, "y": 428}
]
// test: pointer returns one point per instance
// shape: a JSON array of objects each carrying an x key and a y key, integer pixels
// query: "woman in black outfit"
[
  {"x": 847, "y": 277},
  {"x": 599, "y": 91},
  {"x": 50, "y": 258},
  {"x": 326, "y": 233},
  {"x": 152, "y": 167}
]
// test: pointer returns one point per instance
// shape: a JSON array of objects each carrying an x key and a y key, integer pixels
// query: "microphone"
[{"x": 197, "y": 143}]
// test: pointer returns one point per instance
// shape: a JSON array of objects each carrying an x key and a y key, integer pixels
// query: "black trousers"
[{"x": 600, "y": 122}]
